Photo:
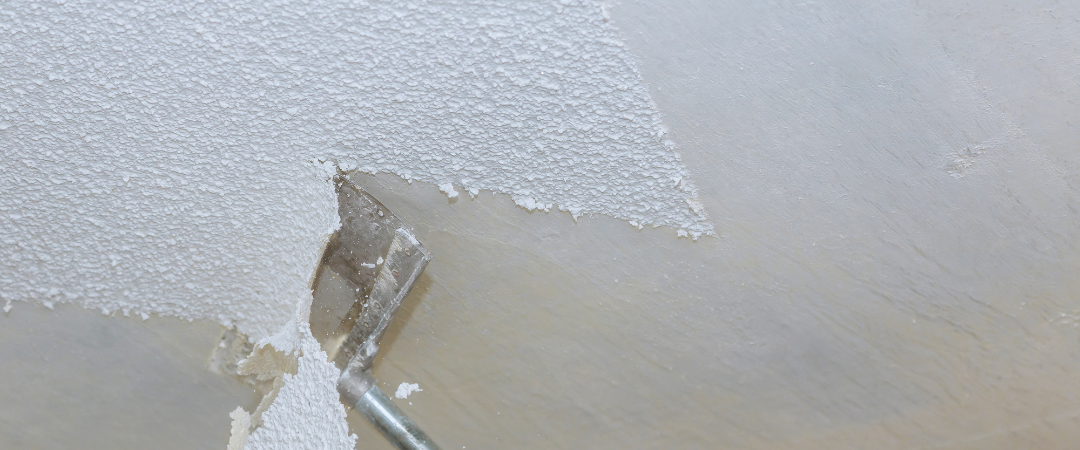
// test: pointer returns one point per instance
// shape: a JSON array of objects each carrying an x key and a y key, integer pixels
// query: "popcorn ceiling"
[
  {"x": 157, "y": 154},
  {"x": 303, "y": 411},
  {"x": 173, "y": 157},
  {"x": 189, "y": 233},
  {"x": 306, "y": 414},
  {"x": 536, "y": 99}
]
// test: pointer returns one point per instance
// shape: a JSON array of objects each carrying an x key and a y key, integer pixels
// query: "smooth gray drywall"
[{"x": 74, "y": 378}]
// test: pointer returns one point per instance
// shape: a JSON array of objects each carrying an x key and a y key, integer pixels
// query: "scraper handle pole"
[{"x": 394, "y": 424}]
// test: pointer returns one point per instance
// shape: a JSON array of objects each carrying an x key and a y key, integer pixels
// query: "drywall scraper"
[{"x": 367, "y": 269}]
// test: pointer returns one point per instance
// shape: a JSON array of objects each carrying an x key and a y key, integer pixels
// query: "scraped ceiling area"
[{"x": 175, "y": 158}]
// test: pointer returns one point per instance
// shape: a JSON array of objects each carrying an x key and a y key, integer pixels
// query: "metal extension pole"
[{"x": 377, "y": 407}]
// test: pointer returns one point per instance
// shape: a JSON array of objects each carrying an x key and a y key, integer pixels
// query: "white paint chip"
[{"x": 406, "y": 389}]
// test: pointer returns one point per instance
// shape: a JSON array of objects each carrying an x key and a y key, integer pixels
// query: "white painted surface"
[{"x": 894, "y": 186}]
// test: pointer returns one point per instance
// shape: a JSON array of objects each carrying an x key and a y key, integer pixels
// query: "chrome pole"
[{"x": 364, "y": 396}]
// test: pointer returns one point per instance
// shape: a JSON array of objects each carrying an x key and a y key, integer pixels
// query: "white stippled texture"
[
  {"x": 158, "y": 156},
  {"x": 217, "y": 233},
  {"x": 535, "y": 99},
  {"x": 306, "y": 413}
]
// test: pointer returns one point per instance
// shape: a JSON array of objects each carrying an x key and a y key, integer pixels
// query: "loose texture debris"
[{"x": 404, "y": 389}]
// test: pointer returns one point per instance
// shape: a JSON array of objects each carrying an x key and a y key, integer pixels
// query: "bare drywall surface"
[
  {"x": 894, "y": 187},
  {"x": 74, "y": 378}
]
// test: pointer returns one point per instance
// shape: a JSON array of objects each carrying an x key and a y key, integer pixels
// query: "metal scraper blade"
[{"x": 369, "y": 266}]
